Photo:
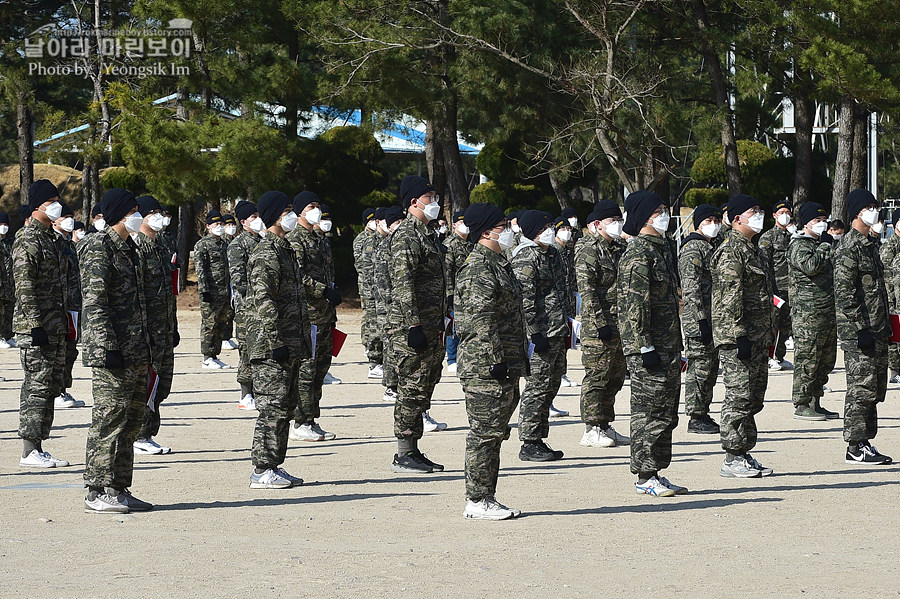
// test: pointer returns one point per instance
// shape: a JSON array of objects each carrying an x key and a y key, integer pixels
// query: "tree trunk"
[
  {"x": 453, "y": 166},
  {"x": 859, "y": 164},
  {"x": 434, "y": 160},
  {"x": 561, "y": 196},
  {"x": 87, "y": 194},
  {"x": 185, "y": 239},
  {"x": 25, "y": 134},
  {"x": 803, "y": 167},
  {"x": 846, "y": 125}
]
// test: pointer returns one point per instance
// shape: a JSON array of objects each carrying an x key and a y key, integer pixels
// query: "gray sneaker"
[
  {"x": 754, "y": 463},
  {"x": 318, "y": 429},
  {"x": 296, "y": 481},
  {"x": 96, "y": 502},
  {"x": 738, "y": 468},
  {"x": 268, "y": 480},
  {"x": 133, "y": 503}
]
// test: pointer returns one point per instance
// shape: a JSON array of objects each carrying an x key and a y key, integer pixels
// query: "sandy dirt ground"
[{"x": 818, "y": 527}]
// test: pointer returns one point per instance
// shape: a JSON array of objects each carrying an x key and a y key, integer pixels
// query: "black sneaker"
[
  {"x": 410, "y": 463},
  {"x": 828, "y": 414},
  {"x": 538, "y": 451},
  {"x": 434, "y": 465},
  {"x": 865, "y": 453},
  {"x": 703, "y": 425}
]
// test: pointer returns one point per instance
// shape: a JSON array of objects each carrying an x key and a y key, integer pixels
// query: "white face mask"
[
  {"x": 156, "y": 221},
  {"x": 167, "y": 220},
  {"x": 99, "y": 224},
  {"x": 614, "y": 229},
  {"x": 506, "y": 239},
  {"x": 4, "y": 229},
  {"x": 289, "y": 220},
  {"x": 756, "y": 222},
  {"x": 783, "y": 219},
  {"x": 462, "y": 229},
  {"x": 710, "y": 230},
  {"x": 325, "y": 225},
  {"x": 432, "y": 211},
  {"x": 67, "y": 224},
  {"x": 312, "y": 217},
  {"x": 661, "y": 223},
  {"x": 870, "y": 216},
  {"x": 54, "y": 210},
  {"x": 546, "y": 238},
  {"x": 516, "y": 228},
  {"x": 257, "y": 226},
  {"x": 442, "y": 229},
  {"x": 837, "y": 236},
  {"x": 133, "y": 222},
  {"x": 372, "y": 225},
  {"x": 819, "y": 228},
  {"x": 565, "y": 235},
  {"x": 217, "y": 230},
  {"x": 230, "y": 229},
  {"x": 573, "y": 221},
  {"x": 77, "y": 235},
  {"x": 792, "y": 229},
  {"x": 877, "y": 228}
]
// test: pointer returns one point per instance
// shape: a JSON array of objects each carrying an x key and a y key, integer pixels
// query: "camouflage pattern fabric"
[
  {"x": 540, "y": 390},
  {"x": 489, "y": 406},
  {"x": 314, "y": 265},
  {"x": 696, "y": 292},
  {"x": 213, "y": 280},
  {"x": 363, "y": 259},
  {"x": 238, "y": 256},
  {"x": 890, "y": 258},
  {"x": 382, "y": 293},
  {"x": 7, "y": 289},
  {"x": 745, "y": 390},
  {"x": 654, "y": 411},
  {"x": 773, "y": 245}
]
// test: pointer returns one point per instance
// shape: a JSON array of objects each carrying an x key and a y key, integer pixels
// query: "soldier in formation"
[
  {"x": 238, "y": 252},
  {"x": 773, "y": 245},
  {"x": 213, "y": 286},
  {"x": 7, "y": 285},
  {"x": 457, "y": 250},
  {"x": 363, "y": 259}
]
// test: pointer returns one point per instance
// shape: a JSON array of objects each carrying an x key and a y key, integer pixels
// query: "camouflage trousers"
[
  {"x": 163, "y": 361},
  {"x": 120, "y": 397},
  {"x": 604, "y": 375},
  {"x": 312, "y": 375},
  {"x": 489, "y": 405},
  {"x": 815, "y": 353},
  {"x": 276, "y": 385},
  {"x": 783, "y": 323},
  {"x": 371, "y": 337},
  {"x": 655, "y": 395},
  {"x": 700, "y": 376},
  {"x": 6, "y": 318},
  {"x": 418, "y": 374},
  {"x": 745, "y": 390},
  {"x": 866, "y": 388},
  {"x": 214, "y": 322},
  {"x": 540, "y": 390},
  {"x": 244, "y": 377},
  {"x": 71, "y": 356},
  {"x": 894, "y": 357},
  {"x": 42, "y": 382},
  {"x": 390, "y": 378}
]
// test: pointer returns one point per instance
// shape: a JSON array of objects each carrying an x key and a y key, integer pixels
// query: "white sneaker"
[
  {"x": 390, "y": 395},
  {"x": 785, "y": 365},
  {"x": 679, "y": 490},
  {"x": 331, "y": 379},
  {"x": 596, "y": 438},
  {"x": 653, "y": 487},
  {"x": 247, "y": 403},
  {"x": 487, "y": 509},
  {"x": 326, "y": 436},
  {"x": 57, "y": 463},
  {"x": 36, "y": 459},
  {"x": 376, "y": 371},
  {"x": 895, "y": 379},
  {"x": 738, "y": 468},
  {"x": 214, "y": 364},
  {"x": 567, "y": 382},
  {"x": 304, "y": 432},
  {"x": 149, "y": 447},
  {"x": 229, "y": 344},
  {"x": 64, "y": 401},
  {"x": 789, "y": 344},
  {"x": 451, "y": 368},
  {"x": 617, "y": 437},
  {"x": 269, "y": 480},
  {"x": 556, "y": 412},
  {"x": 4, "y": 344},
  {"x": 431, "y": 425},
  {"x": 774, "y": 365}
]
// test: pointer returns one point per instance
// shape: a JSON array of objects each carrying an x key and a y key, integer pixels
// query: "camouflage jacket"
[
  {"x": 114, "y": 314},
  {"x": 457, "y": 251},
  {"x": 742, "y": 293},
  {"x": 647, "y": 304},
  {"x": 773, "y": 245},
  {"x": 696, "y": 284},
  {"x": 488, "y": 311},
  {"x": 363, "y": 260},
  {"x": 543, "y": 289},
  {"x": 381, "y": 281},
  {"x": 860, "y": 297},
  {"x": 596, "y": 267},
  {"x": 159, "y": 297},
  {"x": 566, "y": 254},
  {"x": 416, "y": 271},
  {"x": 890, "y": 250},
  {"x": 812, "y": 278},
  {"x": 73, "y": 277},
  {"x": 39, "y": 269},
  {"x": 211, "y": 266},
  {"x": 7, "y": 281},
  {"x": 238, "y": 256},
  {"x": 276, "y": 297},
  {"x": 314, "y": 269},
  {"x": 325, "y": 242}
]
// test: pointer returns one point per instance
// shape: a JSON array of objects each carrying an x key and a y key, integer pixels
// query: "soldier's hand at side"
[
  {"x": 333, "y": 297},
  {"x": 744, "y": 348},
  {"x": 416, "y": 339},
  {"x": 176, "y": 339},
  {"x": 281, "y": 354},
  {"x": 114, "y": 359},
  {"x": 499, "y": 371},
  {"x": 865, "y": 339},
  {"x": 651, "y": 359},
  {"x": 39, "y": 337},
  {"x": 706, "y": 335},
  {"x": 541, "y": 345},
  {"x": 604, "y": 333},
  {"x": 207, "y": 297}
]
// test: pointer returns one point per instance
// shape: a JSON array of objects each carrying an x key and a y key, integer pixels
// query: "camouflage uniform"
[
  {"x": 890, "y": 253},
  {"x": 862, "y": 303},
  {"x": 162, "y": 322},
  {"x": 211, "y": 265},
  {"x": 363, "y": 259},
  {"x": 570, "y": 280},
  {"x": 596, "y": 266},
  {"x": 815, "y": 340},
  {"x": 742, "y": 307},
  {"x": 457, "y": 250},
  {"x": 491, "y": 330},
  {"x": 7, "y": 289},
  {"x": 773, "y": 245},
  {"x": 114, "y": 319},
  {"x": 317, "y": 275},
  {"x": 73, "y": 300},
  {"x": 382, "y": 291},
  {"x": 238, "y": 255},
  {"x": 647, "y": 306},
  {"x": 416, "y": 271},
  {"x": 696, "y": 292},
  {"x": 40, "y": 280},
  {"x": 544, "y": 302},
  {"x": 275, "y": 295}
]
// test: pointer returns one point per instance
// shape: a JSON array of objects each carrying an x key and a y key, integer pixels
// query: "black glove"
[
  {"x": 706, "y": 336},
  {"x": 527, "y": 368},
  {"x": 416, "y": 339},
  {"x": 541, "y": 345},
  {"x": 651, "y": 360},
  {"x": 865, "y": 339},
  {"x": 176, "y": 339},
  {"x": 281, "y": 354},
  {"x": 114, "y": 359},
  {"x": 449, "y": 303},
  {"x": 39, "y": 337},
  {"x": 744, "y": 347},
  {"x": 499, "y": 371},
  {"x": 826, "y": 238},
  {"x": 207, "y": 297},
  {"x": 333, "y": 297},
  {"x": 604, "y": 333}
]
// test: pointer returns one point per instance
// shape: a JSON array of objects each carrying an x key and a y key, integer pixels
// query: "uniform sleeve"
[
  {"x": 729, "y": 281},
  {"x": 588, "y": 276},
  {"x": 264, "y": 275},
  {"x": 846, "y": 275},
  {"x": 95, "y": 278},
  {"x": 767, "y": 251},
  {"x": 808, "y": 259},
  {"x": 202, "y": 267},
  {"x": 690, "y": 270},
  {"x": 527, "y": 276},
  {"x": 311, "y": 286},
  {"x": 476, "y": 304},
  {"x": 26, "y": 264},
  {"x": 237, "y": 267},
  {"x": 634, "y": 312},
  {"x": 404, "y": 259}
]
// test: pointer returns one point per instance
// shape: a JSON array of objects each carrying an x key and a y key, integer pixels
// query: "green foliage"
[
  {"x": 705, "y": 195},
  {"x": 378, "y": 198},
  {"x": 119, "y": 176},
  {"x": 488, "y": 193},
  {"x": 501, "y": 162},
  {"x": 765, "y": 176},
  {"x": 355, "y": 142}
]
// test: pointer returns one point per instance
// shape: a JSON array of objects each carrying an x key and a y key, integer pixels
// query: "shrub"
[
  {"x": 705, "y": 195},
  {"x": 119, "y": 176}
]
